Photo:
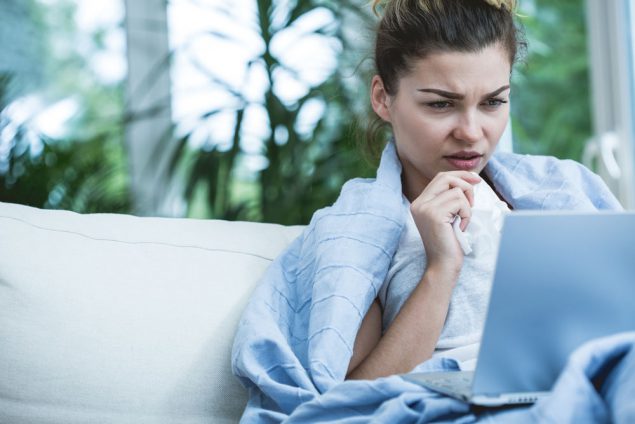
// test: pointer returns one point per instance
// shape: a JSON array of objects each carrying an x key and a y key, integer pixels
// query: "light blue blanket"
[{"x": 295, "y": 339}]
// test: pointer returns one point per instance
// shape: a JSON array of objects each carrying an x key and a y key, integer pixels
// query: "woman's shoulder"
[{"x": 537, "y": 164}]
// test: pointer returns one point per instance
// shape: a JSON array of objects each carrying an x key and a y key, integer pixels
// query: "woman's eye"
[
  {"x": 441, "y": 104},
  {"x": 494, "y": 103}
]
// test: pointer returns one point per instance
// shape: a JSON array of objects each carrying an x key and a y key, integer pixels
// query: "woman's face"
[{"x": 448, "y": 114}]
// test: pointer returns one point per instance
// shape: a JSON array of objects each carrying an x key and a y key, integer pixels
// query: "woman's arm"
[
  {"x": 368, "y": 336},
  {"x": 413, "y": 335},
  {"x": 411, "y": 338}
]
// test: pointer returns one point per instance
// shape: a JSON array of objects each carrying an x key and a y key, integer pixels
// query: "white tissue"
[
  {"x": 465, "y": 245},
  {"x": 483, "y": 232}
]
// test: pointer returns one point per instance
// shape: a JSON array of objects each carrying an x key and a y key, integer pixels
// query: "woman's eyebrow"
[
  {"x": 457, "y": 96},
  {"x": 442, "y": 93},
  {"x": 497, "y": 92}
]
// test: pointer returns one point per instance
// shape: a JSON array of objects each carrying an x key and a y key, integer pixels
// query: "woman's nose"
[{"x": 468, "y": 127}]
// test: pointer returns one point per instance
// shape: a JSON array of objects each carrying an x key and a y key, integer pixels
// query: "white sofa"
[{"x": 117, "y": 319}]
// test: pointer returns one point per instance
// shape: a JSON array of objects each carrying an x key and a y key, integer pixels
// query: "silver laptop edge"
[{"x": 431, "y": 381}]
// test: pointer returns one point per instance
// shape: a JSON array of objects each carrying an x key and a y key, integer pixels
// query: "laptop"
[{"x": 561, "y": 279}]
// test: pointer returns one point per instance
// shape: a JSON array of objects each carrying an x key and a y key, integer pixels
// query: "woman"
[
  {"x": 350, "y": 298},
  {"x": 447, "y": 102},
  {"x": 443, "y": 85}
]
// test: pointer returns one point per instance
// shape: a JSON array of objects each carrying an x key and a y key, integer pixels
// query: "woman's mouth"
[{"x": 464, "y": 161}]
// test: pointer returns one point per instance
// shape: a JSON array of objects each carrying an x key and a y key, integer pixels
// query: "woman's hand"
[{"x": 447, "y": 195}]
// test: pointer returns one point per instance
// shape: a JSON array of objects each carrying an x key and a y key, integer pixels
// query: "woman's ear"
[{"x": 379, "y": 98}]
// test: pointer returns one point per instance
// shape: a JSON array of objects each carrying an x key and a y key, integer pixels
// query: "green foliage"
[
  {"x": 551, "y": 107},
  {"x": 303, "y": 172},
  {"x": 86, "y": 171},
  {"x": 83, "y": 176}
]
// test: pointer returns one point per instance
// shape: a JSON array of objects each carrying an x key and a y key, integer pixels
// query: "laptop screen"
[{"x": 561, "y": 279}]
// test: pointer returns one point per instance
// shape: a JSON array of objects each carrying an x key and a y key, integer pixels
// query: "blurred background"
[{"x": 251, "y": 109}]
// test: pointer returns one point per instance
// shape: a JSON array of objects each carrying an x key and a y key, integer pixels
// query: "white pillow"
[{"x": 120, "y": 319}]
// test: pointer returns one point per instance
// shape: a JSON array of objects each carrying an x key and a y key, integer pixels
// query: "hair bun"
[{"x": 510, "y": 5}]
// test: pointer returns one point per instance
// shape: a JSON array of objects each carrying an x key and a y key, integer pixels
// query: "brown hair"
[{"x": 414, "y": 29}]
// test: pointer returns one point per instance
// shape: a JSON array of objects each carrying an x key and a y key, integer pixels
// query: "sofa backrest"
[{"x": 119, "y": 319}]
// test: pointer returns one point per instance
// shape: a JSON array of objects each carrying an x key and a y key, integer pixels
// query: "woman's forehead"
[{"x": 454, "y": 69}]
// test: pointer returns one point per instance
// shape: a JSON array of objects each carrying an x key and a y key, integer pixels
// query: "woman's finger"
[
  {"x": 446, "y": 206},
  {"x": 453, "y": 202},
  {"x": 448, "y": 180}
]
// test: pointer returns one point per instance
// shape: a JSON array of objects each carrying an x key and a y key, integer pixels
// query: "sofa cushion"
[{"x": 116, "y": 318}]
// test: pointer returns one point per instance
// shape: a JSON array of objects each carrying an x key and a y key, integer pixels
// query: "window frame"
[
  {"x": 610, "y": 43},
  {"x": 148, "y": 106}
]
